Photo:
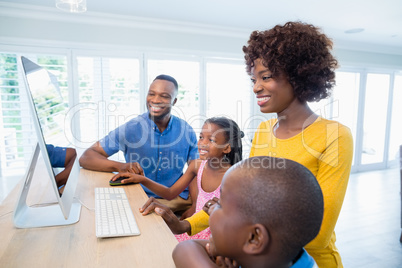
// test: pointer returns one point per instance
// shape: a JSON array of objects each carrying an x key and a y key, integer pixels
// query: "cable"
[
  {"x": 1, "y": 216},
  {"x": 90, "y": 209},
  {"x": 43, "y": 204},
  {"x": 49, "y": 204}
]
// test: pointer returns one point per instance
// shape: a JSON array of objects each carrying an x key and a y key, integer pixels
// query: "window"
[
  {"x": 109, "y": 95},
  {"x": 375, "y": 114},
  {"x": 396, "y": 126},
  {"x": 17, "y": 133},
  {"x": 104, "y": 92},
  {"x": 228, "y": 93},
  {"x": 345, "y": 101},
  {"x": 13, "y": 119}
]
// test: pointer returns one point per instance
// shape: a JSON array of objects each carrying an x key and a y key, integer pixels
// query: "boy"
[
  {"x": 270, "y": 208},
  {"x": 61, "y": 157}
]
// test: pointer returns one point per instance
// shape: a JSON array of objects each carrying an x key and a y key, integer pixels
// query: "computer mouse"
[{"x": 117, "y": 182}]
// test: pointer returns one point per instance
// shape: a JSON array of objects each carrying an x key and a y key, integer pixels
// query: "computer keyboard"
[{"x": 113, "y": 214}]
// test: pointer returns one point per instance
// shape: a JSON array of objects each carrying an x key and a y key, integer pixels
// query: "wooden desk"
[{"x": 76, "y": 245}]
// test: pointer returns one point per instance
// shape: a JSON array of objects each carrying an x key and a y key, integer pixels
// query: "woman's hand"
[
  {"x": 209, "y": 205},
  {"x": 176, "y": 226}
]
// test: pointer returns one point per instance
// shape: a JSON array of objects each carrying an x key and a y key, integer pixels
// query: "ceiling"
[{"x": 381, "y": 20}]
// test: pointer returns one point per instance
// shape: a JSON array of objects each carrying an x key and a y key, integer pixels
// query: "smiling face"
[
  {"x": 274, "y": 94},
  {"x": 160, "y": 99},
  {"x": 212, "y": 142}
]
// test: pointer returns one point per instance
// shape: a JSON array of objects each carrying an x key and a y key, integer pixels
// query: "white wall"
[
  {"x": 368, "y": 59},
  {"x": 66, "y": 33}
]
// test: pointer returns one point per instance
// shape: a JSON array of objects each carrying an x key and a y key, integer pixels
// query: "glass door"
[
  {"x": 345, "y": 102},
  {"x": 396, "y": 126},
  {"x": 364, "y": 102},
  {"x": 375, "y": 120}
]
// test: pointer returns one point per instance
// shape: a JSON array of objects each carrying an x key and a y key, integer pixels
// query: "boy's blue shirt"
[
  {"x": 57, "y": 155},
  {"x": 305, "y": 261}
]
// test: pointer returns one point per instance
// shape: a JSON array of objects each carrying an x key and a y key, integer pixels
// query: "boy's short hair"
[{"x": 284, "y": 196}]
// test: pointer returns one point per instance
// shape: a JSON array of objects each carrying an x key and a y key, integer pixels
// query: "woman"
[{"x": 289, "y": 66}]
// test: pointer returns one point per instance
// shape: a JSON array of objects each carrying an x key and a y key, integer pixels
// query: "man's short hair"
[{"x": 168, "y": 78}]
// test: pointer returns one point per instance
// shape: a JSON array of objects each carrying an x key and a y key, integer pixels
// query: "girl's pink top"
[{"x": 202, "y": 198}]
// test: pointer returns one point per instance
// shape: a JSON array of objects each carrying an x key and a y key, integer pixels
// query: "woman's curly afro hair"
[{"x": 301, "y": 53}]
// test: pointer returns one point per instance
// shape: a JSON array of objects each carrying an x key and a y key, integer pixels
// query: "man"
[{"x": 155, "y": 143}]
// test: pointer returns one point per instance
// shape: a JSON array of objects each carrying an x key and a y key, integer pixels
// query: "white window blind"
[
  {"x": 109, "y": 90},
  {"x": 16, "y": 130}
]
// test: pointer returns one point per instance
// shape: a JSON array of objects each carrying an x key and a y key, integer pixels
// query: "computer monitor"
[{"x": 48, "y": 112}]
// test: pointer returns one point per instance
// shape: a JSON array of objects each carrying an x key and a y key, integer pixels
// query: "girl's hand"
[{"x": 128, "y": 177}]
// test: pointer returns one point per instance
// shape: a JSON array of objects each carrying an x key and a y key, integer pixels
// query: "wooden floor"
[{"x": 369, "y": 226}]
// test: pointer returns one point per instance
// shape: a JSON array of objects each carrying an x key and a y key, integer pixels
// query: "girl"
[{"x": 219, "y": 148}]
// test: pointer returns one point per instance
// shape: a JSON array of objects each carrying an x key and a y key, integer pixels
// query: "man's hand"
[
  {"x": 132, "y": 167},
  {"x": 176, "y": 226}
]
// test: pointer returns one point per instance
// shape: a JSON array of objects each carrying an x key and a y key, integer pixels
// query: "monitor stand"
[{"x": 51, "y": 215}]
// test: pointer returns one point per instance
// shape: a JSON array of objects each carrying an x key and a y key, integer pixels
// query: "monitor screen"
[
  {"x": 48, "y": 112},
  {"x": 49, "y": 105}
]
